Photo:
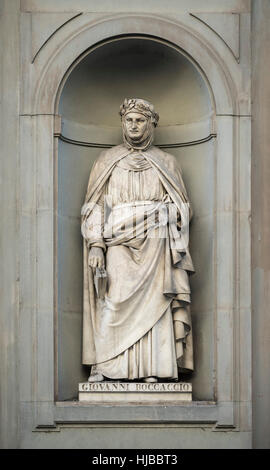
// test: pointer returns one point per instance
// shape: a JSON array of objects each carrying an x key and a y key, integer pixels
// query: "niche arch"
[{"x": 55, "y": 61}]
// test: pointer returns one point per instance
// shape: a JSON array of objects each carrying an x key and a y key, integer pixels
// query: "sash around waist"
[
  {"x": 137, "y": 218},
  {"x": 136, "y": 204},
  {"x": 140, "y": 209}
]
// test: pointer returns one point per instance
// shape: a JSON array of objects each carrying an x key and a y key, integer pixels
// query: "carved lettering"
[{"x": 180, "y": 387}]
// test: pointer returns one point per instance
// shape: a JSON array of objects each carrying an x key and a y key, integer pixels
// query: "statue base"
[{"x": 137, "y": 392}]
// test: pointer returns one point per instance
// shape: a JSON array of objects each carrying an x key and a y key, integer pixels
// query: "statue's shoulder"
[
  {"x": 166, "y": 158},
  {"x": 110, "y": 153},
  {"x": 107, "y": 156}
]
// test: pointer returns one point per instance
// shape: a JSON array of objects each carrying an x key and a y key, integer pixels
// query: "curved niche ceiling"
[{"x": 135, "y": 67}]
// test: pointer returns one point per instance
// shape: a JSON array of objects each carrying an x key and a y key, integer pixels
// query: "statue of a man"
[{"x": 132, "y": 223}]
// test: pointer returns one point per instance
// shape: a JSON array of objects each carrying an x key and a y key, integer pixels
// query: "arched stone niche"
[
  {"x": 54, "y": 172},
  {"x": 89, "y": 108}
]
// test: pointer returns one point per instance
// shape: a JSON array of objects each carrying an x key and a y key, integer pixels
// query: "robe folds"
[{"x": 142, "y": 327}]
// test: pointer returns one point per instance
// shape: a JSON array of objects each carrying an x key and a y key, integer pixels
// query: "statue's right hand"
[{"x": 96, "y": 258}]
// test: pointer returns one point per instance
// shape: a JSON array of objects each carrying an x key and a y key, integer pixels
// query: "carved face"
[{"x": 136, "y": 125}]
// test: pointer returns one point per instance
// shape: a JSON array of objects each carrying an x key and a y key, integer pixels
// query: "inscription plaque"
[{"x": 101, "y": 392}]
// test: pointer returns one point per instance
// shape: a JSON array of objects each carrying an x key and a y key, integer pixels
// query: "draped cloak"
[{"x": 113, "y": 325}]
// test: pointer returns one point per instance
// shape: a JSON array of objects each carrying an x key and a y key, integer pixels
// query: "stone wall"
[{"x": 260, "y": 217}]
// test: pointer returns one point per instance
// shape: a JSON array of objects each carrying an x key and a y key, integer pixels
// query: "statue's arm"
[
  {"x": 94, "y": 239},
  {"x": 93, "y": 225}
]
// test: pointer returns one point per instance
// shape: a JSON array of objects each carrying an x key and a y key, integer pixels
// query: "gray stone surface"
[
  {"x": 9, "y": 318},
  {"x": 260, "y": 222},
  {"x": 139, "y": 6}
]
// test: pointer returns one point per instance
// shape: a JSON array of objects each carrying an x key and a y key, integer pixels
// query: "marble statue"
[{"x": 136, "y": 314}]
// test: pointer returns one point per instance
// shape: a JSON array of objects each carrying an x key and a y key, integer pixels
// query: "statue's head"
[{"x": 138, "y": 121}]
